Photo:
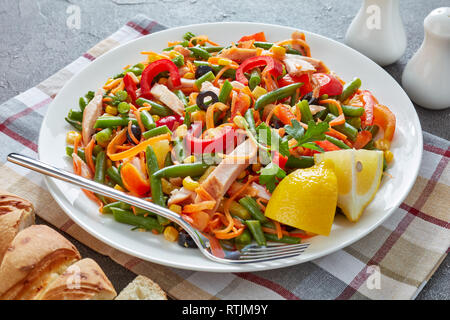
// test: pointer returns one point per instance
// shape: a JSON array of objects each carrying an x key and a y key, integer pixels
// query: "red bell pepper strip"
[
  {"x": 259, "y": 36},
  {"x": 362, "y": 139},
  {"x": 130, "y": 87},
  {"x": 326, "y": 146},
  {"x": 223, "y": 141},
  {"x": 274, "y": 67},
  {"x": 384, "y": 118},
  {"x": 328, "y": 84},
  {"x": 304, "y": 78},
  {"x": 279, "y": 159},
  {"x": 170, "y": 121},
  {"x": 369, "y": 102},
  {"x": 155, "y": 68}
]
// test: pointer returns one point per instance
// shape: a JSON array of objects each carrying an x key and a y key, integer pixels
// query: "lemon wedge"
[
  {"x": 358, "y": 174},
  {"x": 306, "y": 199}
]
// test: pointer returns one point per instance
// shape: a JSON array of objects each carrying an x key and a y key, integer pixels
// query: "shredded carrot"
[
  {"x": 107, "y": 99},
  {"x": 278, "y": 228},
  {"x": 235, "y": 233},
  {"x": 112, "y": 84},
  {"x": 137, "y": 114},
  {"x": 200, "y": 206},
  {"x": 121, "y": 86},
  {"x": 273, "y": 231},
  {"x": 300, "y": 42},
  {"x": 76, "y": 143},
  {"x": 337, "y": 121},
  {"x": 334, "y": 133},
  {"x": 88, "y": 153},
  {"x": 334, "y": 102},
  {"x": 258, "y": 201},
  {"x": 220, "y": 73},
  {"x": 269, "y": 116},
  {"x": 130, "y": 133},
  {"x": 203, "y": 194},
  {"x": 124, "y": 147}
]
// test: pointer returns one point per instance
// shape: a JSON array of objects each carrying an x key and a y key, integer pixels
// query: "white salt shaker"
[
  {"x": 426, "y": 77},
  {"x": 377, "y": 31}
]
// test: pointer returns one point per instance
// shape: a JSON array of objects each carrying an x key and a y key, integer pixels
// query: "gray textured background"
[{"x": 36, "y": 43}]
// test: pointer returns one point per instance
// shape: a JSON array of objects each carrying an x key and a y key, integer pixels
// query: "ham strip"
[
  {"x": 181, "y": 195},
  {"x": 163, "y": 94},
  {"x": 238, "y": 54},
  {"x": 92, "y": 111},
  {"x": 296, "y": 65}
]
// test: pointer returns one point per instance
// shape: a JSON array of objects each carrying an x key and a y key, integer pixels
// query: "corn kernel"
[
  {"x": 156, "y": 117},
  {"x": 258, "y": 92},
  {"x": 256, "y": 167},
  {"x": 189, "y": 75},
  {"x": 175, "y": 208},
  {"x": 190, "y": 183},
  {"x": 199, "y": 115},
  {"x": 173, "y": 54},
  {"x": 167, "y": 187},
  {"x": 223, "y": 62},
  {"x": 170, "y": 234},
  {"x": 389, "y": 156},
  {"x": 382, "y": 144},
  {"x": 111, "y": 110},
  {"x": 117, "y": 187},
  {"x": 108, "y": 163},
  {"x": 190, "y": 159},
  {"x": 278, "y": 51},
  {"x": 72, "y": 136},
  {"x": 181, "y": 131}
]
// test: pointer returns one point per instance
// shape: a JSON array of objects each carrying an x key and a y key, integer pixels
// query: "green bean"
[
  {"x": 337, "y": 142},
  {"x": 188, "y": 36},
  {"x": 294, "y": 98},
  {"x": 245, "y": 238},
  {"x": 182, "y": 170},
  {"x": 168, "y": 160},
  {"x": 251, "y": 121},
  {"x": 75, "y": 124},
  {"x": 230, "y": 73},
  {"x": 305, "y": 111},
  {"x": 114, "y": 174},
  {"x": 182, "y": 97},
  {"x": 349, "y": 89},
  {"x": 252, "y": 207},
  {"x": 80, "y": 152},
  {"x": 155, "y": 183},
  {"x": 268, "y": 45},
  {"x": 143, "y": 212},
  {"x": 75, "y": 115},
  {"x": 370, "y": 145},
  {"x": 351, "y": 111},
  {"x": 303, "y": 162},
  {"x": 206, "y": 77},
  {"x": 254, "y": 226},
  {"x": 178, "y": 60},
  {"x": 213, "y": 49},
  {"x": 320, "y": 115},
  {"x": 332, "y": 108},
  {"x": 284, "y": 239},
  {"x": 147, "y": 120},
  {"x": 200, "y": 53},
  {"x": 354, "y": 121},
  {"x": 373, "y": 129},
  {"x": 123, "y": 108},
  {"x": 275, "y": 95},
  {"x": 238, "y": 210},
  {"x": 82, "y": 103},
  {"x": 178, "y": 149},
  {"x": 156, "y": 132},
  {"x": 255, "y": 79},
  {"x": 345, "y": 128},
  {"x": 121, "y": 95},
  {"x": 128, "y": 217},
  {"x": 104, "y": 135},
  {"x": 224, "y": 94},
  {"x": 108, "y": 122},
  {"x": 100, "y": 168},
  {"x": 97, "y": 149},
  {"x": 156, "y": 109}
]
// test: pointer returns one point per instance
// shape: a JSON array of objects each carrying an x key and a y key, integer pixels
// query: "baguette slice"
[
  {"x": 84, "y": 280},
  {"x": 36, "y": 256},
  {"x": 142, "y": 288},
  {"x": 11, "y": 224}
]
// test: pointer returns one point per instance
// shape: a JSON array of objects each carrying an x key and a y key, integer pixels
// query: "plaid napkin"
[{"x": 406, "y": 249}]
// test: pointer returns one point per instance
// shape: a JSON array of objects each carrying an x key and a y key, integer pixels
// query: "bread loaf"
[
  {"x": 142, "y": 288},
  {"x": 15, "y": 214},
  {"x": 84, "y": 280},
  {"x": 36, "y": 257}
]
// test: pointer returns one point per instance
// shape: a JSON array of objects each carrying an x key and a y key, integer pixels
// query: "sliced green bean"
[
  {"x": 206, "y": 77},
  {"x": 225, "y": 91},
  {"x": 114, "y": 174},
  {"x": 252, "y": 207},
  {"x": 73, "y": 123},
  {"x": 128, "y": 217},
  {"x": 80, "y": 152},
  {"x": 75, "y": 115},
  {"x": 255, "y": 79},
  {"x": 373, "y": 129},
  {"x": 352, "y": 111},
  {"x": 156, "y": 132},
  {"x": 178, "y": 60},
  {"x": 349, "y": 89},
  {"x": 245, "y": 238},
  {"x": 200, "y": 53},
  {"x": 103, "y": 135},
  {"x": 347, "y": 129},
  {"x": 337, "y": 142},
  {"x": 147, "y": 120},
  {"x": 284, "y": 239},
  {"x": 182, "y": 97},
  {"x": 213, "y": 49},
  {"x": 305, "y": 111},
  {"x": 354, "y": 121},
  {"x": 156, "y": 109},
  {"x": 251, "y": 121},
  {"x": 254, "y": 226},
  {"x": 109, "y": 122},
  {"x": 275, "y": 95},
  {"x": 182, "y": 170},
  {"x": 239, "y": 211}
]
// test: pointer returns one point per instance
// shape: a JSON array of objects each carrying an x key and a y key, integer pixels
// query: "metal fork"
[{"x": 249, "y": 254}]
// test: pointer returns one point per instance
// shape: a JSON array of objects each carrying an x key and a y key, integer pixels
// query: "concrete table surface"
[{"x": 36, "y": 43}]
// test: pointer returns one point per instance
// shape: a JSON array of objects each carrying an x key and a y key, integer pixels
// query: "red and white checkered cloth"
[{"x": 407, "y": 248}]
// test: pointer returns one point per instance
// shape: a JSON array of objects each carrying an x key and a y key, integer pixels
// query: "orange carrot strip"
[
  {"x": 88, "y": 153},
  {"x": 204, "y": 205}
]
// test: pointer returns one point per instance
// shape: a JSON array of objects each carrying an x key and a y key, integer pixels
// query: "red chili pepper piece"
[
  {"x": 222, "y": 142},
  {"x": 259, "y": 36},
  {"x": 155, "y": 68},
  {"x": 274, "y": 67},
  {"x": 130, "y": 87},
  {"x": 369, "y": 103},
  {"x": 170, "y": 121},
  {"x": 279, "y": 159}
]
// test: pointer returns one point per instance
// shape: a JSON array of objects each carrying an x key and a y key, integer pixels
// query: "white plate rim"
[{"x": 66, "y": 206}]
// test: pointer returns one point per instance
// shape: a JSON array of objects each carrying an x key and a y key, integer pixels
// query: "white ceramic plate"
[{"x": 346, "y": 62}]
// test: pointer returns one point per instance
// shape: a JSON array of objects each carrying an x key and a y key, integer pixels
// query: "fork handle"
[{"x": 96, "y": 187}]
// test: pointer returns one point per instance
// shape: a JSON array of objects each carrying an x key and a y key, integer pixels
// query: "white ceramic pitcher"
[
  {"x": 426, "y": 77},
  {"x": 377, "y": 31}
]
